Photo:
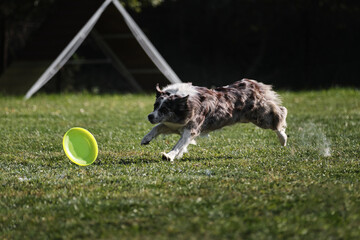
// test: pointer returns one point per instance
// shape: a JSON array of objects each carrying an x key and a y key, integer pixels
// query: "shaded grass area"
[{"x": 237, "y": 184}]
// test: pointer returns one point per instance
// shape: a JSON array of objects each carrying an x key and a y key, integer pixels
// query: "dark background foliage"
[
  {"x": 298, "y": 44},
  {"x": 292, "y": 44}
]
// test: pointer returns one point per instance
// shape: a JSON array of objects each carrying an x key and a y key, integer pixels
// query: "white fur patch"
[{"x": 182, "y": 89}]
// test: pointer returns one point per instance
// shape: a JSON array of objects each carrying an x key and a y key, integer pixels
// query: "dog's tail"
[
  {"x": 269, "y": 94},
  {"x": 274, "y": 100},
  {"x": 263, "y": 91}
]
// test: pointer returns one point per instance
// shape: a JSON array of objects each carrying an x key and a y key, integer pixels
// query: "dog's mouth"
[
  {"x": 152, "y": 122},
  {"x": 152, "y": 119}
]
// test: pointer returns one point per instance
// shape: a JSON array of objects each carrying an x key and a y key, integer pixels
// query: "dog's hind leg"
[
  {"x": 282, "y": 137},
  {"x": 280, "y": 131}
]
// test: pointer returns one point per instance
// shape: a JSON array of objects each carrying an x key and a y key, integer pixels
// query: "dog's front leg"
[
  {"x": 180, "y": 147},
  {"x": 156, "y": 131}
]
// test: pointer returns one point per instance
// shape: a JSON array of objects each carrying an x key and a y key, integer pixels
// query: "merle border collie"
[{"x": 191, "y": 111}]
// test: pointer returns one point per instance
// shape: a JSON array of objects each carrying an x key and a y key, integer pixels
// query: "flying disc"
[{"x": 80, "y": 146}]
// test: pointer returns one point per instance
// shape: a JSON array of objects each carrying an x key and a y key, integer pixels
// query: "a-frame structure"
[{"x": 115, "y": 33}]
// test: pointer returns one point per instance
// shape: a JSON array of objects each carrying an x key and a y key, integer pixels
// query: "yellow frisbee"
[{"x": 80, "y": 146}]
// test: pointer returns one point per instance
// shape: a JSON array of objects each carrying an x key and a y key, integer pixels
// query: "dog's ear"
[
  {"x": 158, "y": 91},
  {"x": 181, "y": 99},
  {"x": 180, "y": 104}
]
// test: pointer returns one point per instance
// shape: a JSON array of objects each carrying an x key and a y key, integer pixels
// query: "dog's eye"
[{"x": 156, "y": 105}]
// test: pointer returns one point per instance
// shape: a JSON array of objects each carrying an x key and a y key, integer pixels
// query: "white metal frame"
[{"x": 74, "y": 44}]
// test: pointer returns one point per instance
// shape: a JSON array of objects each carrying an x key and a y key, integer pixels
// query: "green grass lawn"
[{"x": 237, "y": 184}]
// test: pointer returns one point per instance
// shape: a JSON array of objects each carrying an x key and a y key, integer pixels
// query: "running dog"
[{"x": 190, "y": 111}]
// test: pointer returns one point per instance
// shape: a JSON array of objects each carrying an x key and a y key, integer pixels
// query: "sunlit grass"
[{"x": 237, "y": 184}]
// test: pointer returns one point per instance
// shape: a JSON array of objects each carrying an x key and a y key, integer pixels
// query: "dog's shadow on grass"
[
  {"x": 205, "y": 159},
  {"x": 151, "y": 158},
  {"x": 126, "y": 159}
]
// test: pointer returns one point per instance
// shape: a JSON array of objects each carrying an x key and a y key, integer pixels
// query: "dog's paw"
[
  {"x": 146, "y": 140},
  {"x": 167, "y": 157},
  {"x": 193, "y": 142}
]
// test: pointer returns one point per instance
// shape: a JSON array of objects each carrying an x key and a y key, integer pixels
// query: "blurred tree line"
[{"x": 292, "y": 44}]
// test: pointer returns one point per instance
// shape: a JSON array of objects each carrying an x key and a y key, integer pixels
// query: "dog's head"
[{"x": 168, "y": 107}]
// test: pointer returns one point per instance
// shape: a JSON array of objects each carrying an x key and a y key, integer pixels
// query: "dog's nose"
[{"x": 151, "y": 118}]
